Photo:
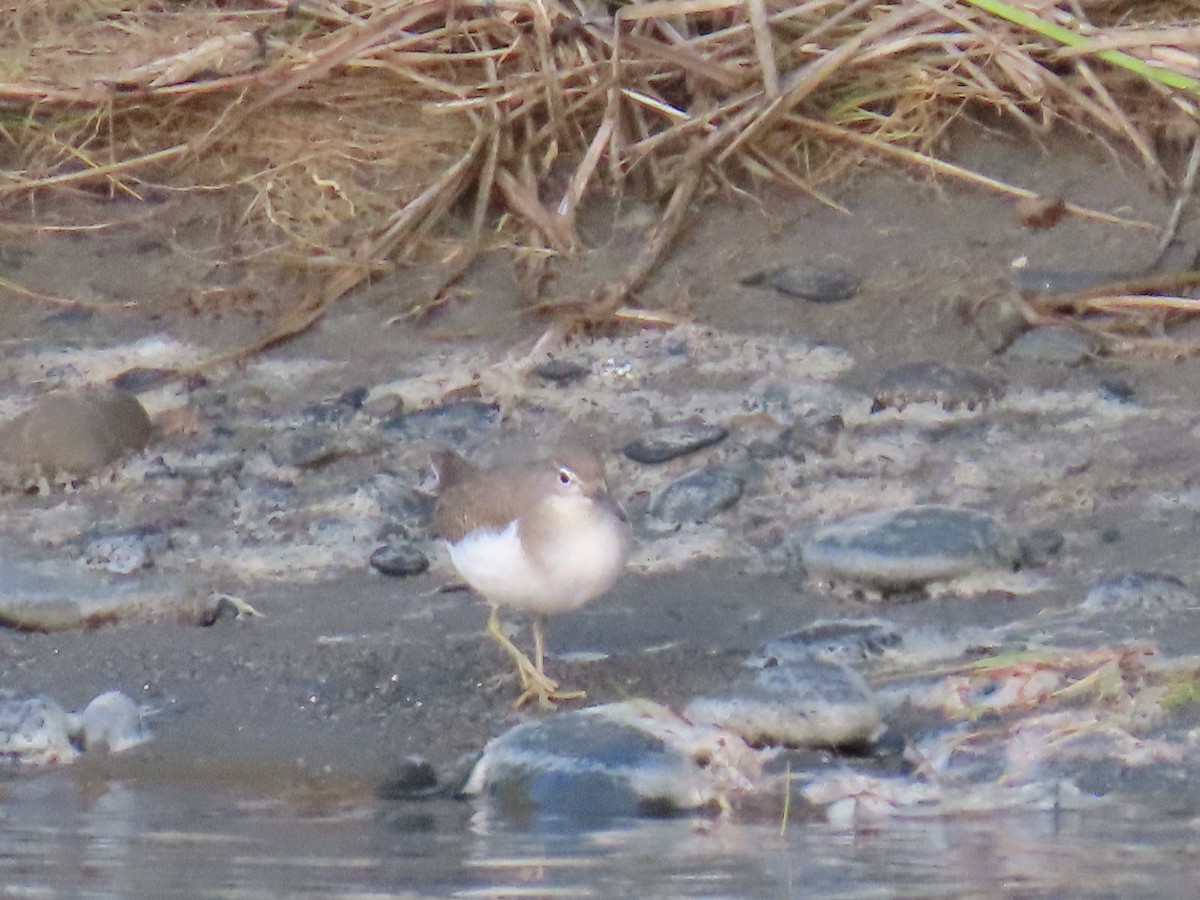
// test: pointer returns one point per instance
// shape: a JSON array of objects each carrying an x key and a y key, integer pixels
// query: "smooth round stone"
[
  {"x": 112, "y": 721},
  {"x": 673, "y": 441},
  {"x": 846, "y": 641},
  {"x": 815, "y": 703},
  {"x": 447, "y": 423},
  {"x": 400, "y": 560},
  {"x": 75, "y": 433},
  {"x": 590, "y": 764},
  {"x": 696, "y": 497},
  {"x": 1053, "y": 344},
  {"x": 929, "y": 382},
  {"x": 806, "y": 283},
  {"x": 897, "y": 549},
  {"x": 1140, "y": 592}
]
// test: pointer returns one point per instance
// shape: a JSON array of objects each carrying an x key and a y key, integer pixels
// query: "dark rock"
[
  {"x": 141, "y": 379},
  {"x": 560, "y": 371},
  {"x": 400, "y": 560},
  {"x": 898, "y": 549},
  {"x": 413, "y": 779},
  {"x": 930, "y": 382},
  {"x": 1117, "y": 389},
  {"x": 354, "y": 397},
  {"x": 806, "y": 283},
  {"x": 697, "y": 496},
  {"x": 673, "y": 441}
]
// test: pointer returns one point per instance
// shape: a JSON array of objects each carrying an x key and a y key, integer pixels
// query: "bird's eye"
[{"x": 565, "y": 476}]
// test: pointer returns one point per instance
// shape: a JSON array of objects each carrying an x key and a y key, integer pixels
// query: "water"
[{"x": 62, "y": 835}]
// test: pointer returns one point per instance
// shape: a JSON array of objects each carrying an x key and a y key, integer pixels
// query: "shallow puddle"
[{"x": 61, "y": 835}]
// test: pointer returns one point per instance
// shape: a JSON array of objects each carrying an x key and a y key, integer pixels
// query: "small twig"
[{"x": 945, "y": 168}]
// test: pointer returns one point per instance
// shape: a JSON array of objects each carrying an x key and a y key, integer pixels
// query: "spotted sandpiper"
[{"x": 543, "y": 536}]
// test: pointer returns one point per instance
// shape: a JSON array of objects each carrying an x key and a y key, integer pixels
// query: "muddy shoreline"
[{"x": 349, "y": 672}]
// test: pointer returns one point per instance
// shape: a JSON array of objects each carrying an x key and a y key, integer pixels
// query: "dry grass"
[{"x": 343, "y": 131}]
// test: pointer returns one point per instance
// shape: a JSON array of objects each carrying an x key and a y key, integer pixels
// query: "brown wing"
[{"x": 481, "y": 499}]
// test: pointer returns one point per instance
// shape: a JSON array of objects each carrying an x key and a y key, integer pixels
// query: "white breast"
[{"x": 586, "y": 556}]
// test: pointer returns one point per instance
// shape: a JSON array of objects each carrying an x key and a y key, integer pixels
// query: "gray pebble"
[
  {"x": 400, "y": 560},
  {"x": 1056, "y": 344},
  {"x": 930, "y": 382},
  {"x": 672, "y": 441},
  {"x": 815, "y": 703},
  {"x": 806, "y": 283},
  {"x": 1140, "y": 592},
  {"x": 447, "y": 423},
  {"x": 898, "y": 549},
  {"x": 697, "y": 496},
  {"x": 846, "y": 641}
]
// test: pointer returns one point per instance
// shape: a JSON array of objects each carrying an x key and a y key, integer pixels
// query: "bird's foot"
[{"x": 547, "y": 697}]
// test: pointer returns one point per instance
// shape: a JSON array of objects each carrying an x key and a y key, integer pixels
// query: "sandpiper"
[{"x": 543, "y": 536}]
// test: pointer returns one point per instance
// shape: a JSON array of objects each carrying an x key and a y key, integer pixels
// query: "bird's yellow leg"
[
  {"x": 540, "y": 681},
  {"x": 526, "y": 670}
]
